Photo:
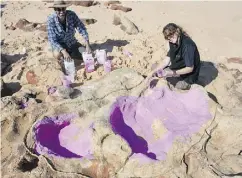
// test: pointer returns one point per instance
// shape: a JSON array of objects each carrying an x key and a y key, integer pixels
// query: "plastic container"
[
  {"x": 89, "y": 66},
  {"x": 129, "y": 54},
  {"x": 160, "y": 73},
  {"x": 51, "y": 90},
  {"x": 70, "y": 69},
  {"x": 107, "y": 66},
  {"x": 88, "y": 61},
  {"x": 101, "y": 56},
  {"x": 66, "y": 81}
]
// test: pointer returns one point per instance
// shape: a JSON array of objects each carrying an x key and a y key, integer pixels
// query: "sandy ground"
[{"x": 215, "y": 26}]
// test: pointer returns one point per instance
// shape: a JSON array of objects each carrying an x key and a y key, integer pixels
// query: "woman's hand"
[
  {"x": 169, "y": 73},
  {"x": 164, "y": 73},
  {"x": 158, "y": 73}
]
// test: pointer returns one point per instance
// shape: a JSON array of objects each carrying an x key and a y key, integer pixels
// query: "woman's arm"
[
  {"x": 185, "y": 70},
  {"x": 166, "y": 62}
]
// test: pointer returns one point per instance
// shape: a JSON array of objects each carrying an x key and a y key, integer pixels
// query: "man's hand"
[
  {"x": 66, "y": 55},
  {"x": 88, "y": 49}
]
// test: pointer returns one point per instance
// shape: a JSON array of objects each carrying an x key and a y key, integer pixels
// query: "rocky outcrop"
[
  {"x": 83, "y": 3},
  {"x": 25, "y": 25},
  {"x": 208, "y": 153},
  {"x": 126, "y": 25},
  {"x": 121, "y": 8}
]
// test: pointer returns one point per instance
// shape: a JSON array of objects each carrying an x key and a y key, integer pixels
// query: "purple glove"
[
  {"x": 158, "y": 73},
  {"x": 51, "y": 90}
]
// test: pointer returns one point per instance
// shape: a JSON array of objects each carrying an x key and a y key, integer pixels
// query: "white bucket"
[
  {"x": 101, "y": 56},
  {"x": 70, "y": 69},
  {"x": 88, "y": 61}
]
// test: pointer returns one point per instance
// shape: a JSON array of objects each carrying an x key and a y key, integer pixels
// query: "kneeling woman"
[{"x": 182, "y": 63}]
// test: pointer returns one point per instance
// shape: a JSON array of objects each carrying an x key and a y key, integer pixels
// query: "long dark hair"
[{"x": 170, "y": 29}]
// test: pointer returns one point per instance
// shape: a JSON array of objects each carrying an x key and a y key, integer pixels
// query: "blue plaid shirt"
[{"x": 58, "y": 37}]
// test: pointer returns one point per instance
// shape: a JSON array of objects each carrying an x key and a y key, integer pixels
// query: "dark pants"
[
  {"x": 184, "y": 82},
  {"x": 74, "y": 50},
  {"x": 75, "y": 54}
]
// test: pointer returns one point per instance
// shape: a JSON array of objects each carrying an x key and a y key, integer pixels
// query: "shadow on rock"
[
  {"x": 8, "y": 60},
  {"x": 75, "y": 93},
  {"x": 89, "y": 21},
  {"x": 109, "y": 44},
  {"x": 8, "y": 89},
  {"x": 153, "y": 83},
  {"x": 2, "y": 6},
  {"x": 26, "y": 165},
  {"x": 208, "y": 73},
  {"x": 213, "y": 97}
]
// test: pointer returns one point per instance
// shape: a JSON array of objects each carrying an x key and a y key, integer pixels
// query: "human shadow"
[
  {"x": 8, "y": 60},
  {"x": 213, "y": 97},
  {"x": 109, "y": 44},
  {"x": 208, "y": 73}
]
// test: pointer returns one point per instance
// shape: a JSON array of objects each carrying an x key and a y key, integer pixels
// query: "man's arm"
[
  {"x": 82, "y": 30},
  {"x": 80, "y": 27},
  {"x": 52, "y": 36}
]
